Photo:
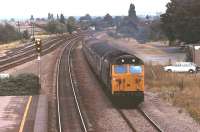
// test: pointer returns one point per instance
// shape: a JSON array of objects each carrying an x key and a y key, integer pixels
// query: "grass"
[
  {"x": 10, "y": 45},
  {"x": 180, "y": 89},
  {"x": 15, "y": 44},
  {"x": 23, "y": 84}
]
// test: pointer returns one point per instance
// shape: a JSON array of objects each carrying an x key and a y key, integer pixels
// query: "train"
[{"x": 121, "y": 73}]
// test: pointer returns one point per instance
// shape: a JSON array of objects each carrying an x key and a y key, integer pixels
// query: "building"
[{"x": 194, "y": 54}]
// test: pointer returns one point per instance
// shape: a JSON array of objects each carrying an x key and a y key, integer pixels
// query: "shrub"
[
  {"x": 180, "y": 89},
  {"x": 23, "y": 84}
]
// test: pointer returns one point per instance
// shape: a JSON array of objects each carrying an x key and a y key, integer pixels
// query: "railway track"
[
  {"x": 70, "y": 117},
  {"x": 127, "y": 116},
  {"x": 128, "y": 119},
  {"x": 152, "y": 122},
  {"x": 23, "y": 58},
  {"x": 29, "y": 53},
  {"x": 27, "y": 47},
  {"x": 130, "y": 125}
]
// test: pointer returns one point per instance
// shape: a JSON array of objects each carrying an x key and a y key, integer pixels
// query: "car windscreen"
[
  {"x": 135, "y": 69},
  {"x": 120, "y": 69}
]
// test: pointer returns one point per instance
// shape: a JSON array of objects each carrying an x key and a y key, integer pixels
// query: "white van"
[{"x": 182, "y": 67}]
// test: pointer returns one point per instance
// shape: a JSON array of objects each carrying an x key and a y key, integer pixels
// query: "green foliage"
[
  {"x": 32, "y": 18},
  {"x": 85, "y": 22},
  {"x": 62, "y": 19},
  {"x": 26, "y": 34},
  {"x": 132, "y": 12},
  {"x": 71, "y": 24},
  {"x": 50, "y": 17},
  {"x": 87, "y": 17},
  {"x": 129, "y": 24},
  {"x": 56, "y": 27},
  {"x": 105, "y": 22},
  {"x": 182, "y": 20},
  {"x": 8, "y": 33},
  {"x": 108, "y": 20},
  {"x": 23, "y": 84},
  {"x": 156, "y": 32}
]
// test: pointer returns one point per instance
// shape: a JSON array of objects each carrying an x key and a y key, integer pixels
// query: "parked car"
[{"x": 182, "y": 67}]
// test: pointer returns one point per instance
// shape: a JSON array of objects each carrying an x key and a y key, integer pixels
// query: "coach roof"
[{"x": 104, "y": 50}]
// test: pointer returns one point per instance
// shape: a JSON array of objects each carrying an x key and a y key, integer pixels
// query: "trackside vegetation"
[
  {"x": 23, "y": 84},
  {"x": 180, "y": 89}
]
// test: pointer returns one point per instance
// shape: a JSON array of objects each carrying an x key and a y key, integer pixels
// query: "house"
[{"x": 193, "y": 54}]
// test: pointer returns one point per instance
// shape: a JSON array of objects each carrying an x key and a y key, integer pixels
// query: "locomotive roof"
[{"x": 103, "y": 49}]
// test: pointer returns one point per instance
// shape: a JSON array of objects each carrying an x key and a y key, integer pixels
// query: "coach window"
[
  {"x": 135, "y": 69},
  {"x": 120, "y": 69}
]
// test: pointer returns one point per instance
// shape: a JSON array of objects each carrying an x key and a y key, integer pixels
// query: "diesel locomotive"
[{"x": 121, "y": 72}]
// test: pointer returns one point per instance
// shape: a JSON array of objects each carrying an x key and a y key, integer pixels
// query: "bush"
[
  {"x": 26, "y": 35},
  {"x": 8, "y": 33},
  {"x": 23, "y": 84},
  {"x": 180, "y": 89},
  {"x": 56, "y": 27}
]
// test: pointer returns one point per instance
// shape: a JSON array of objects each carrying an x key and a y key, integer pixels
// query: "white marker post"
[{"x": 39, "y": 67}]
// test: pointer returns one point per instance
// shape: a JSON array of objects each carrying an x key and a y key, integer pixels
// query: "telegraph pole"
[
  {"x": 18, "y": 24},
  {"x": 32, "y": 25}
]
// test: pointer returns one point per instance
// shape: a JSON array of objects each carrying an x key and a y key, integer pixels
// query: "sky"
[{"x": 22, "y": 9}]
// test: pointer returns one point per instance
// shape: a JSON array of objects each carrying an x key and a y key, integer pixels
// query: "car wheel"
[
  {"x": 169, "y": 70},
  {"x": 191, "y": 71}
]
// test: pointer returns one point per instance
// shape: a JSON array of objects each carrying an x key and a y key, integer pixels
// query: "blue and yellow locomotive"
[{"x": 121, "y": 72}]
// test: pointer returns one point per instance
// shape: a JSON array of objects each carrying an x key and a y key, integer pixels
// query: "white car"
[{"x": 182, "y": 67}]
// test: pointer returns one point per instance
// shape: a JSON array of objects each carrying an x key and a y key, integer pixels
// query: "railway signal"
[{"x": 38, "y": 45}]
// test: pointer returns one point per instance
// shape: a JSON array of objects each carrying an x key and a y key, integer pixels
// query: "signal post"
[{"x": 38, "y": 47}]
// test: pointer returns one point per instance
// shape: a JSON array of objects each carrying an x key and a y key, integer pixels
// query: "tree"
[
  {"x": 87, "y": 17},
  {"x": 58, "y": 18},
  {"x": 50, "y": 17},
  {"x": 26, "y": 34},
  {"x": 71, "y": 24},
  {"x": 56, "y": 27},
  {"x": 109, "y": 20},
  {"x": 108, "y": 17},
  {"x": 51, "y": 27},
  {"x": 62, "y": 19},
  {"x": 182, "y": 21},
  {"x": 132, "y": 12},
  {"x": 32, "y": 18},
  {"x": 85, "y": 21},
  {"x": 156, "y": 32},
  {"x": 8, "y": 33}
]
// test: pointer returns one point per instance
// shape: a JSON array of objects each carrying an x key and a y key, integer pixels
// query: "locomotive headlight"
[
  {"x": 133, "y": 60},
  {"x": 122, "y": 60}
]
